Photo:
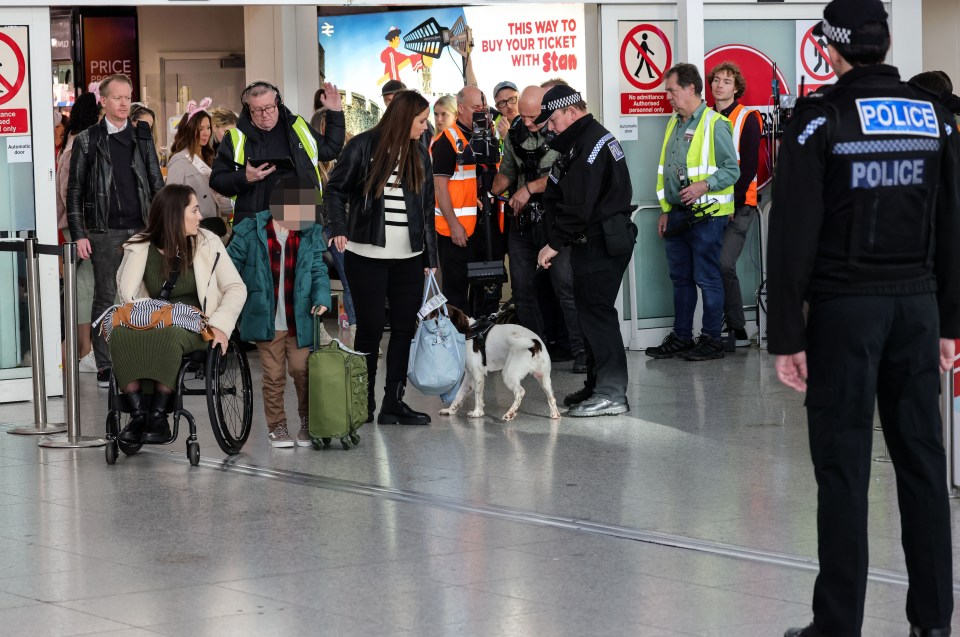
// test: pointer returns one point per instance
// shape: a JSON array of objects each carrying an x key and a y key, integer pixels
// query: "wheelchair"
[{"x": 223, "y": 377}]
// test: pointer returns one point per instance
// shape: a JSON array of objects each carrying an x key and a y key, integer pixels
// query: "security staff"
[
  {"x": 698, "y": 167},
  {"x": 588, "y": 198},
  {"x": 864, "y": 229},
  {"x": 728, "y": 86},
  {"x": 527, "y": 161}
]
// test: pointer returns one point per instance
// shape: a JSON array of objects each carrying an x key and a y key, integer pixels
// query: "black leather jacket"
[
  {"x": 366, "y": 222},
  {"x": 88, "y": 191}
]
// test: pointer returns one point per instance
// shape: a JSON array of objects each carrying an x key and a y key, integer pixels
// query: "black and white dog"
[{"x": 511, "y": 348}]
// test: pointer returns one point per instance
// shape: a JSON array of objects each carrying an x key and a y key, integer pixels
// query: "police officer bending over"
[
  {"x": 864, "y": 227},
  {"x": 527, "y": 161},
  {"x": 588, "y": 198}
]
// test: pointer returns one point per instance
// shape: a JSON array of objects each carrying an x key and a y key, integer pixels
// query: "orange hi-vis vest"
[
  {"x": 462, "y": 186},
  {"x": 739, "y": 116}
]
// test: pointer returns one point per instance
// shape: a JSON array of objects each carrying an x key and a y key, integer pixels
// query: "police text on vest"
[
  {"x": 889, "y": 172},
  {"x": 891, "y": 116}
]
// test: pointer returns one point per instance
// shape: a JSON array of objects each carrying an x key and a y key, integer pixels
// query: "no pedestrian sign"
[
  {"x": 646, "y": 53},
  {"x": 813, "y": 63},
  {"x": 14, "y": 87}
]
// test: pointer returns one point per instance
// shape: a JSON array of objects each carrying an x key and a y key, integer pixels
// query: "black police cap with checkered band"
[
  {"x": 558, "y": 97},
  {"x": 842, "y": 18}
]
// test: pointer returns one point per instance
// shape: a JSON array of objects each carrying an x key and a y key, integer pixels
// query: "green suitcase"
[{"x": 338, "y": 392}]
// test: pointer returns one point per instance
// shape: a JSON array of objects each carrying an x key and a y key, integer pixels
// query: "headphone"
[{"x": 253, "y": 85}]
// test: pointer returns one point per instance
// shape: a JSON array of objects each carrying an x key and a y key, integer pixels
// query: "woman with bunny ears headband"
[{"x": 192, "y": 156}]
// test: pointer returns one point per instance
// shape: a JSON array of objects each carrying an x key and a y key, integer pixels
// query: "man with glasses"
[
  {"x": 523, "y": 171},
  {"x": 505, "y": 97},
  {"x": 114, "y": 174},
  {"x": 588, "y": 200},
  {"x": 270, "y": 143}
]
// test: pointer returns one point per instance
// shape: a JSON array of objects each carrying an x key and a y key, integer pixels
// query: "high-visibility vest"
[
  {"x": 739, "y": 116},
  {"x": 307, "y": 142},
  {"x": 462, "y": 187}
]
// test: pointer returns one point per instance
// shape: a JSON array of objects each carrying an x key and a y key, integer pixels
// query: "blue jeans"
[
  {"x": 337, "y": 257},
  {"x": 694, "y": 261}
]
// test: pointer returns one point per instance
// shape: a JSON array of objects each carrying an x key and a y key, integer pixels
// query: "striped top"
[{"x": 397, "y": 226}]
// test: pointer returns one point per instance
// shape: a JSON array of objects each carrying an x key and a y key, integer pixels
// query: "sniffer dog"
[{"x": 490, "y": 348}]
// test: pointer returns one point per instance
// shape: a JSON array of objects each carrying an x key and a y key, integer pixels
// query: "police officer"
[
  {"x": 526, "y": 162},
  {"x": 864, "y": 228},
  {"x": 588, "y": 198}
]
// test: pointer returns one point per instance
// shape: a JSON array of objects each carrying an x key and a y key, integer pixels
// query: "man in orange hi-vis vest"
[
  {"x": 728, "y": 86},
  {"x": 455, "y": 184}
]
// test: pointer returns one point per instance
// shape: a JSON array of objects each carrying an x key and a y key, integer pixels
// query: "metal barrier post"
[
  {"x": 40, "y": 424},
  {"x": 73, "y": 439},
  {"x": 946, "y": 417}
]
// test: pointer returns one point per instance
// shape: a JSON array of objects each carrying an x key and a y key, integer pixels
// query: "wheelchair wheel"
[
  {"x": 110, "y": 451},
  {"x": 229, "y": 397}
]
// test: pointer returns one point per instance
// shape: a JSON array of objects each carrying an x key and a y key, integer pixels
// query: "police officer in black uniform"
[
  {"x": 865, "y": 227},
  {"x": 588, "y": 199}
]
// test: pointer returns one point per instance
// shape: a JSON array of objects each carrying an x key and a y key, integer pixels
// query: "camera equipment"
[{"x": 490, "y": 273}]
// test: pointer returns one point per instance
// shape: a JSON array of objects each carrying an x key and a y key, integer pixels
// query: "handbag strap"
[
  {"x": 168, "y": 285},
  {"x": 431, "y": 285}
]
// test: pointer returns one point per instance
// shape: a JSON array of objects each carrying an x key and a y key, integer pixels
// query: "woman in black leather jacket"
[{"x": 385, "y": 177}]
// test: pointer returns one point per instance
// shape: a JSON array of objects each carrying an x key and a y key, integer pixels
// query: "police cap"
[
  {"x": 560, "y": 96},
  {"x": 842, "y": 18}
]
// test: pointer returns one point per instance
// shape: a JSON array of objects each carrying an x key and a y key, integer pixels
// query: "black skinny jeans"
[{"x": 373, "y": 282}]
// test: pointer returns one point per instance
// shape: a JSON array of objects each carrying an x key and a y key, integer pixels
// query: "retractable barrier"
[
  {"x": 33, "y": 250},
  {"x": 71, "y": 366}
]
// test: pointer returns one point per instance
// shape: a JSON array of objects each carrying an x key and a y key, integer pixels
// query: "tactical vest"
[{"x": 462, "y": 186}]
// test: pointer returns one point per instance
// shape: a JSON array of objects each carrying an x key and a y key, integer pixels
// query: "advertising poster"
[
  {"x": 364, "y": 51},
  {"x": 110, "y": 47}
]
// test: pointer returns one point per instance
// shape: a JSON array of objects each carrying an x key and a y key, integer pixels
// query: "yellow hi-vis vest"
[
  {"x": 307, "y": 142},
  {"x": 701, "y": 161},
  {"x": 739, "y": 116},
  {"x": 462, "y": 186}
]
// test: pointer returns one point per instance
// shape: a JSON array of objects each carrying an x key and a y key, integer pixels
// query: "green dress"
[{"x": 156, "y": 354}]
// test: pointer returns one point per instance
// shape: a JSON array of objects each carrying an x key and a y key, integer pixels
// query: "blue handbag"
[{"x": 438, "y": 350}]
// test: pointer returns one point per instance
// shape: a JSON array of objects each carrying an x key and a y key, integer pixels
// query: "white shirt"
[
  {"x": 111, "y": 129},
  {"x": 397, "y": 244}
]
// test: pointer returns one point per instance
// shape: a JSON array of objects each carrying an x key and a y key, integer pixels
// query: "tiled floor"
[{"x": 478, "y": 528}]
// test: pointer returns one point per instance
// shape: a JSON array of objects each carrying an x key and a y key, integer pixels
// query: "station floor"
[{"x": 694, "y": 514}]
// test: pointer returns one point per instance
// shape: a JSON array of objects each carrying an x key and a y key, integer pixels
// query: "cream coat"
[{"x": 219, "y": 287}]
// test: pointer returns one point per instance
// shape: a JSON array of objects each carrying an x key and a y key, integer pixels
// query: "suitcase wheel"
[
  {"x": 316, "y": 443},
  {"x": 355, "y": 438},
  {"x": 345, "y": 442}
]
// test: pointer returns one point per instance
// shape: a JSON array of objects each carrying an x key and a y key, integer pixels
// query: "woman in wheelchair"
[{"x": 173, "y": 252}]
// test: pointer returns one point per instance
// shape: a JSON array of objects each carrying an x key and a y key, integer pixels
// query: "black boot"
[
  {"x": 158, "y": 431},
  {"x": 133, "y": 432},
  {"x": 396, "y": 412}
]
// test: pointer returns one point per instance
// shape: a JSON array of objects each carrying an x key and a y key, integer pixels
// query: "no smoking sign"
[
  {"x": 14, "y": 87},
  {"x": 646, "y": 53}
]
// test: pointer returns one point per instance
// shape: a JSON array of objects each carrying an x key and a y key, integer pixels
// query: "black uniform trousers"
[
  {"x": 596, "y": 282},
  {"x": 863, "y": 349}
]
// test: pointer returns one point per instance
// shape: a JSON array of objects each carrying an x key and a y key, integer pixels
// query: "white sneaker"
[
  {"x": 303, "y": 437},
  {"x": 280, "y": 437},
  {"x": 88, "y": 364}
]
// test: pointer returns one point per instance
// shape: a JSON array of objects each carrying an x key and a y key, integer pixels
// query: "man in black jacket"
[
  {"x": 114, "y": 174},
  {"x": 864, "y": 229},
  {"x": 267, "y": 130},
  {"x": 588, "y": 203}
]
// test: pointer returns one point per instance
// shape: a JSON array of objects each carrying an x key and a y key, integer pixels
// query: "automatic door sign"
[
  {"x": 14, "y": 88},
  {"x": 813, "y": 63},
  {"x": 646, "y": 53}
]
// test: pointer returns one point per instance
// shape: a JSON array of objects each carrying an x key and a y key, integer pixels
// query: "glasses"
[
  {"x": 266, "y": 110},
  {"x": 510, "y": 100}
]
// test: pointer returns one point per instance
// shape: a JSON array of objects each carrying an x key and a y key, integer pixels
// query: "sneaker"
[
  {"x": 580, "y": 363},
  {"x": 280, "y": 437},
  {"x": 103, "y": 377},
  {"x": 671, "y": 346},
  {"x": 741, "y": 337},
  {"x": 88, "y": 364},
  {"x": 303, "y": 436},
  {"x": 707, "y": 349}
]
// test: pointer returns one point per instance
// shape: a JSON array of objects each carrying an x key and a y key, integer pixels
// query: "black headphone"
[{"x": 253, "y": 85}]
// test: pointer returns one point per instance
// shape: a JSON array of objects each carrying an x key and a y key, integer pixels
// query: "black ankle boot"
[
  {"x": 158, "y": 431},
  {"x": 396, "y": 412},
  {"x": 133, "y": 432}
]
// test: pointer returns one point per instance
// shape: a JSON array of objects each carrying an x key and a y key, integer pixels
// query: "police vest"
[
  {"x": 462, "y": 187},
  {"x": 307, "y": 142},
  {"x": 701, "y": 161},
  {"x": 739, "y": 116}
]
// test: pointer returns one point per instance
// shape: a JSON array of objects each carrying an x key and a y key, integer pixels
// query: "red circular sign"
[
  {"x": 641, "y": 51},
  {"x": 12, "y": 88},
  {"x": 818, "y": 50}
]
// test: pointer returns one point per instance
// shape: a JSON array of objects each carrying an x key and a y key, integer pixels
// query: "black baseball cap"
[
  {"x": 392, "y": 86},
  {"x": 558, "y": 97},
  {"x": 842, "y": 18}
]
